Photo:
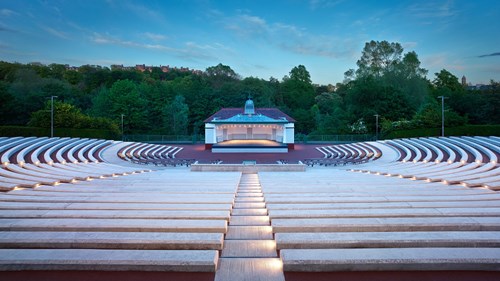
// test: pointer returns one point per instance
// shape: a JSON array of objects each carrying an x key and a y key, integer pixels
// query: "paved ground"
[{"x": 199, "y": 153}]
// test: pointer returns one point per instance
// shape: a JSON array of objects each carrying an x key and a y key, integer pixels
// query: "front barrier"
[
  {"x": 299, "y": 138},
  {"x": 165, "y": 138}
]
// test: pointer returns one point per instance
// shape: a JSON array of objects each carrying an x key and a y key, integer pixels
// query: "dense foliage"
[{"x": 387, "y": 82}]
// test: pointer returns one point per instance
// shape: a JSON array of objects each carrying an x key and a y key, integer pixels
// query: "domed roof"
[{"x": 249, "y": 107}]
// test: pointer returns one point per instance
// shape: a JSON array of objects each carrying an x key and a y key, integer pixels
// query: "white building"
[{"x": 250, "y": 127}]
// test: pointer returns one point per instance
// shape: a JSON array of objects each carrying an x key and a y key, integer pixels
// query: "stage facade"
[{"x": 249, "y": 129}]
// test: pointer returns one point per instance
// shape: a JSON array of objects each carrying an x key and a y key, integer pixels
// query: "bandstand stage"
[{"x": 249, "y": 130}]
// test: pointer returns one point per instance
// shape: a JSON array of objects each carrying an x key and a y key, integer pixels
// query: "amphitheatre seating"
[
  {"x": 141, "y": 222},
  {"x": 343, "y": 154},
  {"x": 407, "y": 207},
  {"x": 30, "y": 162},
  {"x": 330, "y": 222},
  {"x": 450, "y": 160},
  {"x": 158, "y": 155}
]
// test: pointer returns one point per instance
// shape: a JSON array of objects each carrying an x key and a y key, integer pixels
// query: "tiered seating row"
[
  {"x": 469, "y": 161},
  {"x": 343, "y": 154},
  {"x": 31, "y": 161},
  {"x": 336, "y": 222},
  {"x": 160, "y": 221},
  {"x": 158, "y": 155}
]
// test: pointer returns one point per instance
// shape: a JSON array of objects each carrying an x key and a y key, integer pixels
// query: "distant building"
[{"x": 464, "y": 81}]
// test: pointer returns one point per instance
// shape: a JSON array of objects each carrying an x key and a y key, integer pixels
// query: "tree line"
[{"x": 387, "y": 82}]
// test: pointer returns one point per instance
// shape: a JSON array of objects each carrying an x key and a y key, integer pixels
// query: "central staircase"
[{"x": 249, "y": 251}]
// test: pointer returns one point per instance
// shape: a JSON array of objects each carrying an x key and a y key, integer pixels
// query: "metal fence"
[
  {"x": 165, "y": 138},
  {"x": 333, "y": 138},
  {"x": 299, "y": 138}
]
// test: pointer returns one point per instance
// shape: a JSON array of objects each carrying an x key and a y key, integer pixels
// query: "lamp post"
[
  {"x": 123, "y": 135},
  {"x": 52, "y": 116},
  {"x": 442, "y": 114},
  {"x": 376, "y": 126}
]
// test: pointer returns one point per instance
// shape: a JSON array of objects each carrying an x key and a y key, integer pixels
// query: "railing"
[
  {"x": 299, "y": 138},
  {"x": 333, "y": 138},
  {"x": 165, "y": 138}
]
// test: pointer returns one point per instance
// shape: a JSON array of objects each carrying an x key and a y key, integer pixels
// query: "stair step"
[
  {"x": 234, "y": 269},
  {"x": 249, "y": 233},
  {"x": 249, "y": 212},
  {"x": 249, "y": 220},
  {"x": 249, "y": 249}
]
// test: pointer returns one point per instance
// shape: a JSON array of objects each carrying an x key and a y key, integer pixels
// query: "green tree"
[
  {"x": 123, "y": 98},
  {"x": 220, "y": 74},
  {"x": 301, "y": 74},
  {"x": 176, "y": 116},
  {"x": 379, "y": 57}
]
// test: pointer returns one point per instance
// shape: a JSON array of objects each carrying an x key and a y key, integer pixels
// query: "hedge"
[
  {"x": 468, "y": 130},
  {"x": 20, "y": 131}
]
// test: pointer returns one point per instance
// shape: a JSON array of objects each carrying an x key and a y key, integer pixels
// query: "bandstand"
[{"x": 249, "y": 129}]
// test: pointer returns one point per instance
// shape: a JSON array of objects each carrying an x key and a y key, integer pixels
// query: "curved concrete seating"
[
  {"x": 410, "y": 239},
  {"x": 158, "y": 155},
  {"x": 108, "y": 260},
  {"x": 111, "y": 240},
  {"x": 420, "y": 259},
  {"x": 343, "y": 154}
]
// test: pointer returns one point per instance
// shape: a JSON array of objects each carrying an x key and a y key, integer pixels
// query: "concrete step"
[
  {"x": 112, "y": 199},
  {"x": 110, "y": 206},
  {"x": 108, "y": 260},
  {"x": 249, "y": 249},
  {"x": 388, "y": 205},
  {"x": 248, "y": 199},
  {"x": 121, "y": 225},
  {"x": 391, "y": 259},
  {"x": 118, "y": 214},
  {"x": 249, "y": 212},
  {"x": 403, "y": 212},
  {"x": 112, "y": 240},
  {"x": 249, "y": 189},
  {"x": 419, "y": 239},
  {"x": 244, "y": 269},
  {"x": 244, "y": 205},
  {"x": 249, "y": 220},
  {"x": 387, "y": 224},
  {"x": 249, "y": 233},
  {"x": 249, "y": 194}
]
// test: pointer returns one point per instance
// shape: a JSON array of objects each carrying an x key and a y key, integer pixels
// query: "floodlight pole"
[
  {"x": 52, "y": 116},
  {"x": 123, "y": 135},
  {"x": 442, "y": 114},
  {"x": 376, "y": 125}
]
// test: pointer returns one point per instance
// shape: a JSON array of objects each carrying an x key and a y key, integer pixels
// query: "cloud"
[
  {"x": 409, "y": 45},
  {"x": 189, "y": 50},
  {"x": 54, "y": 32},
  {"x": 318, "y": 4},
  {"x": 247, "y": 25},
  {"x": 288, "y": 37},
  {"x": 144, "y": 12},
  {"x": 435, "y": 13},
  {"x": 155, "y": 37},
  {"x": 489, "y": 55},
  {"x": 433, "y": 10},
  {"x": 7, "y": 13}
]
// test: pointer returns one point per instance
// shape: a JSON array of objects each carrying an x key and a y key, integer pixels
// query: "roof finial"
[{"x": 249, "y": 106}]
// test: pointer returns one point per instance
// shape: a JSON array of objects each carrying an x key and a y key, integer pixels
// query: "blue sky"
[{"x": 256, "y": 38}]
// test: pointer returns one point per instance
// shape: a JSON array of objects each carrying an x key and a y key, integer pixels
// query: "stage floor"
[{"x": 249, "y": 143}]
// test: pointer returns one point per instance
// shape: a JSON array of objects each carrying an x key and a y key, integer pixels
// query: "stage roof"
[{"x": 237, "y": 116}]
